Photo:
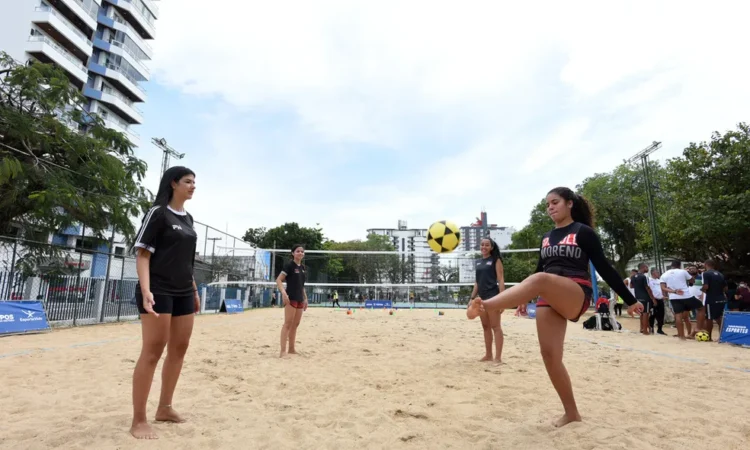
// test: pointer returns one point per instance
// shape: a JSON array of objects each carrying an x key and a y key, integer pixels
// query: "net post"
[
  {"x": 204, "y": 292},
  {"x": 594, "y": 283}
]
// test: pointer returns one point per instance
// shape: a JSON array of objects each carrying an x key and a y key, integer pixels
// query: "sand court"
[{"x": 370, "y": 380}]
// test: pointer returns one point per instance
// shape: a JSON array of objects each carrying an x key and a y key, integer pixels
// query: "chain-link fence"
[{"x": 84, "y": 279}]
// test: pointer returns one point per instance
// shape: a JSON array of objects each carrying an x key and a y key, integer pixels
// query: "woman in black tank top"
[
  {"x": 563, "y": 282},
  {"x": 489, "y": 282}
]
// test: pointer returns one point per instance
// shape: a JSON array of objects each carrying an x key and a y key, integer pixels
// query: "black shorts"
[
  {"x": 647, "y": 305},
  {"x": 489, "y": 294},
  {"x": 682, "y": 305},
  {"x": 176, "y": 305},
  {"x": 715, "y": 310}
]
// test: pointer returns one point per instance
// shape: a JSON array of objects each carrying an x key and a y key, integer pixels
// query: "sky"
[{"x": 353, "y": 115}]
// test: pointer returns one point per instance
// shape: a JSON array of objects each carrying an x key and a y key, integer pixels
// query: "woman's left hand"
[{"x": 196, "y": 302}]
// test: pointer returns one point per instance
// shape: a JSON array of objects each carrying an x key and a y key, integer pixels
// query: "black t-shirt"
[
  {"x": 716, "y": 282},
  {"x": 486, "y": 278},
  {"x": 567, "y": 251},
  {"x": 640, "y": 286},
  {"x": 295, "y": 281},
  {"x": 171, "y": 239}
]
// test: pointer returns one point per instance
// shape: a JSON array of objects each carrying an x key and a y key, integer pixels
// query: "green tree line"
[{"x": 701, "y": 203}]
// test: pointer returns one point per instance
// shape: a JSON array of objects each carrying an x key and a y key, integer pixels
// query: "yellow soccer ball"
[
  {"x": 701, "y": 336},
  {"x": 443, "y": 236}
]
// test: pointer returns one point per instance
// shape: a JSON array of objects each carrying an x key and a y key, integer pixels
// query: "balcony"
[
  {"x": 118, "y": 48},
  {"x": 120, "y": 24},
  {"x": 142, "y": 23},
  {"x": 117, "y": 102},
  {"x": 47, "y": 50},
  {"x": 151, "y": 4},
  {"x": 63, "y": 31},
  {"x": 116, "y": 125},
  {"x": 120, "y": 80},
  {"x": 81, "y": 12}
]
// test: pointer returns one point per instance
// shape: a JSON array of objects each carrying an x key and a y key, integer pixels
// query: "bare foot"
[
  {"x": 486, "y": 358},
  {"x": 167, "y": 414},
  {"x": 283, "y": 355},
  {"x": 472, "y": 312},
  {"x": 564, "y": 420},
  {"x": 143, "y": 430},
  {"x": 498, "y": 361},
  {"x": 293, "y": 352}
]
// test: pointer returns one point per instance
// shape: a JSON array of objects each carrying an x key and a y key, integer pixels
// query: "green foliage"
[
  {"x": 286, "y": 236},
  {"x": 700, "y": 202},
  {"x": 365, "y": 268},
  {"x": 620, "y": 206},
  {"x": 53, "y": 176},
  {"x": 518, "y": 266},
  {"x": 709, "y": 215}
]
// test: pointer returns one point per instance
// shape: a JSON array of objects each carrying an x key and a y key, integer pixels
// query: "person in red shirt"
[{"x": 602, "y": 300}]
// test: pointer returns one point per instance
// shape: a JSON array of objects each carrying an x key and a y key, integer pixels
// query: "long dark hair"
[
  {"x": 494, "y": 250},
  {"x": 582, "y": 211},
  {"x": 165, "y": 192}
]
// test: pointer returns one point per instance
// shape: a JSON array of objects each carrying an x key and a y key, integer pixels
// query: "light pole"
[
  {"x": 643, "y": 156},
  {"x": 168, "y": 151},
  {"x": 213, "y": 248}
]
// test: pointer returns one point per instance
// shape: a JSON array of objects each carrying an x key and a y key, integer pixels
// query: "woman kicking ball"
[{"x": 562, "y": 280}]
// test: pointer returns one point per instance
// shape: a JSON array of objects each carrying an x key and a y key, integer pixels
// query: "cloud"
[{"x": 354, "y": 115}]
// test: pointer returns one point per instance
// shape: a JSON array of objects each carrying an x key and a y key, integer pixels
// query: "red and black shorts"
[
  {"x": 588, "y": 293},
  {"x": 296, "y": 304}
]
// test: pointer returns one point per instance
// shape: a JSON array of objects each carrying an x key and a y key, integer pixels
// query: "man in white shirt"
[
  {"x": 674, "y": 282},
  {"x": 658, "y": 312}
]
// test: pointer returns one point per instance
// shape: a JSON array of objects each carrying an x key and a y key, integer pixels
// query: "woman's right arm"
[
  {"x": 280, "y": 284},
  {"x": 142, "y": 265}
]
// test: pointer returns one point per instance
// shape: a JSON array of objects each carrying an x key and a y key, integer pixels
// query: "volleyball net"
[{"x": 357, "y": 278}]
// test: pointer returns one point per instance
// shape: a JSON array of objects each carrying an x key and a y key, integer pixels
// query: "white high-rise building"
[
  {"x": 100, "y": 44},
  {"x": 471, "y": 239},
  {"x": 423, "y": 262}
]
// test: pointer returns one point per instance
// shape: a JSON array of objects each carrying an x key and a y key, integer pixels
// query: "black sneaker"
[{"x": 661, "y": 332}]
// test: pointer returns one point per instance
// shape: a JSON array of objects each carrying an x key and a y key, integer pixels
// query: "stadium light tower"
[
  {"x": 643, "y": 156},
  {"x": 168, "y": 151}
]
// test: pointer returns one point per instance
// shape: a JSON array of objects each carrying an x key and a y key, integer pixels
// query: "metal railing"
[
  {"x": 66, "y": 54},
  {"x": 136, "y": 8},
  {"x": 115, "y": 93},
  {"x": 119, "y": 70},
  {"x": 121, "y": 127},
  {"x": 131, "y": 32},
  {"x": 152, "y": 6},
  {"x": 59, "y": 15},
  {"x": 91, "y": 8},
  {"x": 130, "y": 52}
]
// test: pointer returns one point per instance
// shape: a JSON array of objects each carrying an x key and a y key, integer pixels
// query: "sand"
[{"x": 370, "y": 380}]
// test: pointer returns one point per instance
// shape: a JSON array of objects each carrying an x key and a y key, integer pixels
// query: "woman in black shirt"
[
  {"x": 167, "y": 296},
  {"x": 563, "y": 282},
  {"x": 489, "y": 282},
  {"x": 295, "y": 298}
]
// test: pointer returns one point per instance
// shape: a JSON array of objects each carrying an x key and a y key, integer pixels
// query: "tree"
[
  {"x": 284, "y": 237},
  {"x": 255, "y": 236},
  {"x": 709, "y": 216},
  {"x": 518, "y": 266},
  {"x": 364, "y": 268},
  {"x": 60, "y": 165},
  {"x": 620, "y": 206},
  {"x": 447, "y": 274}
]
